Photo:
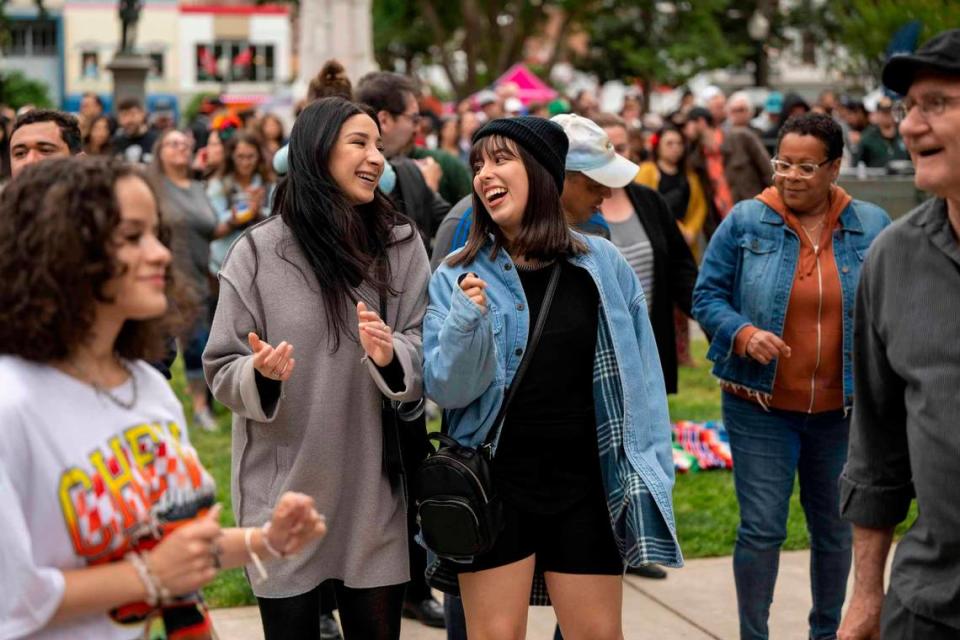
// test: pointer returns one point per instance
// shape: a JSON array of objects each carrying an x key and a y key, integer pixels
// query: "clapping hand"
[
  {"x": 376, "y": 338},
  {"x": 295, "y": 523},
  {"x": 275, "y": 363}
]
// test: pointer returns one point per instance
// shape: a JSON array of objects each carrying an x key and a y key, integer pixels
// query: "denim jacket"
[
  {"x": 470, "y": 357},
  {"x": 747, "y": 275}
]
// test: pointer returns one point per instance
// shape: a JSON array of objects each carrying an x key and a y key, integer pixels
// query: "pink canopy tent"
[{"x": 530, "y": 88}]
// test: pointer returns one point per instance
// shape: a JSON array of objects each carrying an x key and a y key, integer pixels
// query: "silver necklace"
[{"x": 110, "y": 395}]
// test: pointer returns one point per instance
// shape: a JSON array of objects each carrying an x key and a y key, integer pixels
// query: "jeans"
[{"x": 769, "y": 449}]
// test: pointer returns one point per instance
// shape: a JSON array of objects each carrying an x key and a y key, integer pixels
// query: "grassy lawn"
[{"x": 705, "y": 505}]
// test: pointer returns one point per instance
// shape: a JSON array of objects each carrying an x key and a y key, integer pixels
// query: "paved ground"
[{"x": 697, "y": 602}]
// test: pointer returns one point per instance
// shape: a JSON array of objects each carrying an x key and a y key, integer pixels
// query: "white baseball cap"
[{"x": 591, "y": 152}]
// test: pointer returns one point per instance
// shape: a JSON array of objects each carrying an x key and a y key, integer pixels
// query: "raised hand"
[
  {"x": 376, "y": 338},
  {"x": 295, "y": 522},
  {"x": 184, "y": 560},
  {"x": 276, "y": 363},
  {"x": 765, "y": 346},
  {"x": 474, "y": 288}
]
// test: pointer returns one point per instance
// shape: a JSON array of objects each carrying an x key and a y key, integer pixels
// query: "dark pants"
[
  {"x": 365, "y": 614},
  {"x": 770, "y": 448},
  {"x": 899, "y": 623}
]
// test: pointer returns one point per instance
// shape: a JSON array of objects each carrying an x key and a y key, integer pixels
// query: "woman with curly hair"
[
  {"x": 339, "y": 274},
  {"x": 110, "y": 527}
]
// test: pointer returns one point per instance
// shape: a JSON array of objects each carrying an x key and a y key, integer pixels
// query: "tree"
[
  {"x": 861, "y": 30},
  {"x": 17, "y": 90},
  {"x": 656, "y": 42},
  {"x": 474, "y": 41}
]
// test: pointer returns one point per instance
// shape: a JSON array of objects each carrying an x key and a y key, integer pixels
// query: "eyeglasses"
[
  {"x": 415, "y": 118},
  {"x": 805, "y": 170},
  {"x": 930, "y": 105},
  {"x": 178, "y": 144}
]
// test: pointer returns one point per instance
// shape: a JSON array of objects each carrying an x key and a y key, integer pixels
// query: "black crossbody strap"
[{"x": 527, "y": 356}]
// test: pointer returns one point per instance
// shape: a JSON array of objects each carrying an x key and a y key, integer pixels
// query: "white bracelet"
[
  {"x": 164, "y": 597},
  {"x": 248, "y": 541},
  {"x": 153, "y": 597},
  {"x": 264, "y": 530}
]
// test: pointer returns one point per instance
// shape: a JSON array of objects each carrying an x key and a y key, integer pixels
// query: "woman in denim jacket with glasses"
[{"x": 775, "y": 294}]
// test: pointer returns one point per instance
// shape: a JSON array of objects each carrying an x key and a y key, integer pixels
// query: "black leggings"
[{"x": 372, "y": 614}]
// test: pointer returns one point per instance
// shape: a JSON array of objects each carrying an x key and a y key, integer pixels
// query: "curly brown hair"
[{"x": 57, "y": 252}]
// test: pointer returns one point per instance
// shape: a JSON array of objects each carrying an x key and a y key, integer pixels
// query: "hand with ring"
[{"x": 276, "y": 363}]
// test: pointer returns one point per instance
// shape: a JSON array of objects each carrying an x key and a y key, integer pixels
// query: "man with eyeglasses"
[
  {"x": 394, "y": 99},
  {"x": 905, "y": 434}
]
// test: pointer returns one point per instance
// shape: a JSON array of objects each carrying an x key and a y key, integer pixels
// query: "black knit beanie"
[{"x": 544, "y": 140}]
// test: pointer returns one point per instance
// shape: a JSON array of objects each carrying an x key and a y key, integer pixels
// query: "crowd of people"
[{"x": 542, "y": 258}]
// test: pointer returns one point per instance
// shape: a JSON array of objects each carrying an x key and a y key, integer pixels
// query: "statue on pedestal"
[{"x": 129, "y": 16}]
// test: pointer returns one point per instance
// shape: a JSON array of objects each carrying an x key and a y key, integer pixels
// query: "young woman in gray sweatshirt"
[{"x": 312, "y": 278}]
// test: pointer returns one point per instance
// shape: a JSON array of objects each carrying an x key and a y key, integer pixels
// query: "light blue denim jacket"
[
  {"x": 747, "y": 275},
  {"x": 470, "y": 357}
]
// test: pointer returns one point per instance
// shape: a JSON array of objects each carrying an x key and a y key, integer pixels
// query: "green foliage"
[
  {"x": 474, "y": 41},
  {"x": 17, "y": 90},
  {"x": 863, "y": 28},
  {"x": 659, "y": 42}
]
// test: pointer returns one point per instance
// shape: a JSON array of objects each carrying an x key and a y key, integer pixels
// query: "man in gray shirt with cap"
[{"x": 905, "y": 433}]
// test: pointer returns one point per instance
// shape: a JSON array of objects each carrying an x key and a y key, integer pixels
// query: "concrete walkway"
[{"x": 697, "y": 602}]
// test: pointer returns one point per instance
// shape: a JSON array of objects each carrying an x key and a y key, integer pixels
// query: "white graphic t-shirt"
[{"x": 82, "y": 482}]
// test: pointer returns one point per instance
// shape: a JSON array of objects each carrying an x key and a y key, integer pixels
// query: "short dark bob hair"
[
  {"x": 57, "y": 252},
  {"x": 820, "y": 126},
  {"x": 68, "y": 124},
  {"x": 544, "y": 233}
]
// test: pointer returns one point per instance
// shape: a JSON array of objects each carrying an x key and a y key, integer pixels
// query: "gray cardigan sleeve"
[
  {"x": 412, "y": 266},
  {"x": 227, "y": 358}
]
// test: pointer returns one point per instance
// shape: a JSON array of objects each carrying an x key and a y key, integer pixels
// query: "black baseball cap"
[{"x": 940, "y": 54}]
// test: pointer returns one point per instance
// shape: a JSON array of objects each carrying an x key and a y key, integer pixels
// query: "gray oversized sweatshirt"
[{"x": 323, "y": 436}]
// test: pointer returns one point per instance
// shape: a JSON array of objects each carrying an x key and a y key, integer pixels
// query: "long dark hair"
[
  {"x": 544, "y": 233},
  {"x": 345, "y": 244},
  {"x": 249, "y": 139}
]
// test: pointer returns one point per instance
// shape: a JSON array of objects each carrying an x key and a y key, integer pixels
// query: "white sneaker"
[{"x": 204, "y": 420}]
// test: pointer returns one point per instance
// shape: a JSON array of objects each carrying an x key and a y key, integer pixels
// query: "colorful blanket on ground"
[{"x": 700, "y": 446}]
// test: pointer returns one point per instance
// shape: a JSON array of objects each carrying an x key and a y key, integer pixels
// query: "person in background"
[
  {"x": 746, "y": 163},
  {"x": 827, "y": 103},
  {"x": 194, "y": 225},
  {"x": 449, "y": 137},
  {"x": 585, "y": 104},
  {"x": 243, "y": 193},
  {"x": 647, "y": 233},
  {"x": 669, "y": 174},
  {"x": 469, "y": 123},
  {"x": 314, "y": 277},
  {"x": 210, "y": 161},
  {"x": 903, "y": 436},
  {"x": 881, "y": 143},
  {"x": 632, "y": 110},
  {"x": 270, "y": 130},
  {"x": 91, "y": 108},
  {"x": 99, "y": 137},
  {"x": 134, "y": 140},
  {"x": 707, "y": 160},
  {"x": 775, "y": 290},
  {"x": 4, "y": 149},
  {"x": 42, "y": 134},
  {"x": 110, "y": 528},
  {"x": 857, "y": 119},
  {"x": 793, "y": 105},
  {"x": 716, "y": 103},
  {"x": 740, "y": 112},
  {"x": 393, "y": 99}
]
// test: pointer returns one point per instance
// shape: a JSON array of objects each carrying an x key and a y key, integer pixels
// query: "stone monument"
[{"x": 129, "y": 68}]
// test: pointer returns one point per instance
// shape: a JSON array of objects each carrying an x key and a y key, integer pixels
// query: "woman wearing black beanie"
[{"x": 582, "y": 461}]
